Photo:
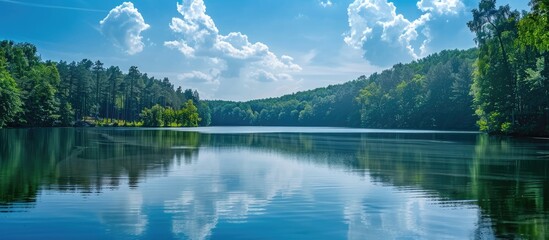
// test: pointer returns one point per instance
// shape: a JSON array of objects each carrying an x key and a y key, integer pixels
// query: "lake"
[{"x": 271, "y": 183}]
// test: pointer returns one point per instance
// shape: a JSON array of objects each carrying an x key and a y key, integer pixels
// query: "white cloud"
[
  {"x": 123, "y": 25},
  {"x": 387, "y": 37},
  {"x": 326, "y": 4},
  {"x": 383, "y": 34},
  {"x": 443, "y": 7},
  {"x": 233, "y": 56}
]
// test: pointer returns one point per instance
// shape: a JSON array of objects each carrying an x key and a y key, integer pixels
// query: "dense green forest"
[
  {"x": 501, "y": 87},
  {"x": 431, "y": 93},
  {"x": 34, "y": 93}
]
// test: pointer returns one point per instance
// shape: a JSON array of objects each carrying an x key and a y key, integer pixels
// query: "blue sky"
[{"x": 243, "y": 49}]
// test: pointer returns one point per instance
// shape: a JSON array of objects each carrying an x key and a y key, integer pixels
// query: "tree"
[
  {"x": 188, "y": 115},
  {"x": 205, "y": 114},
  {"x": 64, "y": 91},
  {"x": 192, "y": 95},
  {"x": 20, "y": 58},
  {"x": 170, "y": 117},
  {"x": 10, "y": 102},
  {"x": 41, "y": 106},
  {"x": 114, "y": 81},
  {"x": 534, "y": 27},
  {"x": 98, "y": 71},
  {"x": 80, "y": 98},
  {"x": 153, "y": 117},
  {"x": 495, "y": 83},
  {"x": 534, "y": 37},
  {"x": 411, "y": 99},
  {"x": 131, "y": 98}
]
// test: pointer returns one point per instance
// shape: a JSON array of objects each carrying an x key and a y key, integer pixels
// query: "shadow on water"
[{"x": 506, "y": 178}]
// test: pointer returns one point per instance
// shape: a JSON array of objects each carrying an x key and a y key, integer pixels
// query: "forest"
[
  {"x": 501, "y": 87},
  {"x": 431, "y": 93},
  {"x": 36, "y": 93}
]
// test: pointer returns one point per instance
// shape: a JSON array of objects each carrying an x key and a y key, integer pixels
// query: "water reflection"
[
  {"x": 232, "y": 197},
  {"x": 129, "y": 218},
  {"x": 280, "y": 185}
]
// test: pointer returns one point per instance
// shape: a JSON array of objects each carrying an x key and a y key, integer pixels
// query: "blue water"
[{"x": 270, "y": 183}]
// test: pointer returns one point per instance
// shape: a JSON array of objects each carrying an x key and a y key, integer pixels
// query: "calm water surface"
[{"x": 271, "y": 183}]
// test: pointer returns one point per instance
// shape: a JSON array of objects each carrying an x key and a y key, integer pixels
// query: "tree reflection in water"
[{"x": 506, "y": 178}]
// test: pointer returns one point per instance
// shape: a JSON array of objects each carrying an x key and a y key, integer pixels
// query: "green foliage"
[
  {"x": 188, "y": 115},
  {"x": 204, "y": 112},
  {"x": 159, "y": 116},
  {"x": 66, "y": 114},
  {"x": 334, "y": 105},
  {"x": 10, "y": 102},
  {"x": 153, "y": 117},
  {"x": 431, "y": 93},
  {"x": 510, "y": 79},
  {"x": 534, "y": 27},
  {"x": 41, "y": 106}
]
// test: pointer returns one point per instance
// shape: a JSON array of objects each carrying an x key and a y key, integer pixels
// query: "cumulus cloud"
[
  {"x": 326, "y": 4},
  {"x": 440, "y": 6},
  {"x": 123, "y": 25},
  {"x": 231, "y": 56},
  {"x": 386, "y": 37}
]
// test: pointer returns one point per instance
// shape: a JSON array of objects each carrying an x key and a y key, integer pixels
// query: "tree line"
[
  {"x": 431, "y": 93},
  {"x": 34, "y": 93}
]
